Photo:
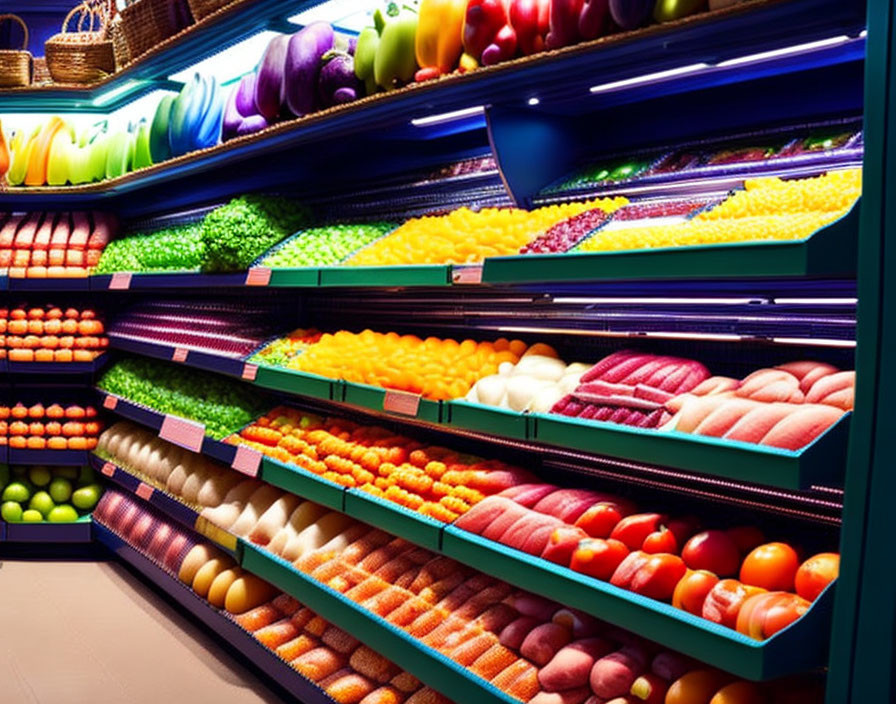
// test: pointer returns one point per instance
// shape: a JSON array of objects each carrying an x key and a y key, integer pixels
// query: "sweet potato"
[
  {"x": 544, "y": 641},
  {"x": 802, "y": 426},
  {"x": 613, "y": 674},
  {"x": 571, "y": 666},
  {"x": 527, "y": 494},
  {"x": 723, "y": 418},
  {"x": 486, "y": 512},
  {"x": 570, "y": 696},
  {"x": 514, "y": 633},
  {"x": 754, "y": 425}
]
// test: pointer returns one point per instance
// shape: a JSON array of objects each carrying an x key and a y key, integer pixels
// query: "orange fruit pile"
[
  {"x": 437, "y": 369},
  {"x": 435, "y": 481}
]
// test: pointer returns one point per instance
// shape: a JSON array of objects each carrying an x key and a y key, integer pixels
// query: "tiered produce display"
[
  {"x": 50, "y": 334},
  {"x": 51, "y": 427}
]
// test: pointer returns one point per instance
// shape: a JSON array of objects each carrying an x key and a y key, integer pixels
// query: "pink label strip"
[
  {"x": 108, "y": 469},
  {"x": 247, "y": 461},
  {"x": 186, "y": 433},
  {"x": 121, "y": 281},
  {"x": 144, "y": 491},
  {"x": 179, "y": 354},
  {"x": 401, "y": 402},
  {"x": 110, "y": 402},
  {"x": 258, "y": 276},
  {"x": 250, "y": 371}
]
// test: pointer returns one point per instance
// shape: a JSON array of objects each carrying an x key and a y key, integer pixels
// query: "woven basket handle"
[
  {"x": 87, "y": 11},
  {"x": 16, "y": 18}
]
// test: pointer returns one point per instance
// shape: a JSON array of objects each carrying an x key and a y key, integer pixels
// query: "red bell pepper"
[
  {"x": 633, "y": 530},
  {"x": 531, "y": 20},
  {"x": 564, "y": 23},
  {"x": 488, "y": 36}
]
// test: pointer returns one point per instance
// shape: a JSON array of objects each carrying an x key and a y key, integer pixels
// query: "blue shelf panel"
[
  {"x": 174, "y": 280},
  {"x": 73, "y": 284},
  {"x": 55, "y": 458},
  {"x": 56, "y": 368},
  {"x": 195, "y": 358},
  {"x": 80, "y": 531},
  {"x": 216, "y": 621}
]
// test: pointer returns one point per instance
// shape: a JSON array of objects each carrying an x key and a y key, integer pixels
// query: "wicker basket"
[
  {"x": 203, "y": 8},
  {"x": 15, "y": 64},
  {"x": 119, "y": 43},
  {"x": 146, "y": 23},
  {"x": 85, "y": 56}
]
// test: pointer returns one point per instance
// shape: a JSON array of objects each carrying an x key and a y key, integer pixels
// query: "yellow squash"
[
  {"x": 440, "y": 27},
  {"x": 36, "y": 172}
]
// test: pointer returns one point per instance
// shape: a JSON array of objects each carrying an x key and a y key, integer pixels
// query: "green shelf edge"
[
  {"x": 373, "y": 397},
  {"x": 300, "y": 383},
  {"x": 830, "y": 251},
  {"x": 487, "y": 419},
  {"x": 787, "y": 652},
  {"x": 298, "y": 277},
  {"x": 297, "y": 481},
  {"x": 407, "y": 652},
  {"x": 394, "y": 518},
  {"x": 821, "y": 462},
  {"x": 410, "y": 275}
]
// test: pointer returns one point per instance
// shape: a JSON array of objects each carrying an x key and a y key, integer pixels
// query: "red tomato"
[
  {"x": 816, "y": 573},
  {"x": 725, "y": 599},
  {"x": 600, "y": 520},
  {"x": 691, "y": 590},
  {"x": 763, "y": 615},
  {"x": 662, "y": 540},
  {"x": 714, "y": 551},
  {"x": 632, "y": 530},
  {"x": 658, "y": 576},
  {"x": 683, "y": 527},
  {"x": 598, "y": 558},
  {"x": 564, "y": 541},
  {"x": 771, "y": 566}
]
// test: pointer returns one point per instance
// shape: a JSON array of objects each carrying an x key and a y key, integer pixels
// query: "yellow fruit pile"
[
  {"x": 465, "y": 237},
  {"x": 768, "y": 209},
  {"x": 437, "y": 369}
]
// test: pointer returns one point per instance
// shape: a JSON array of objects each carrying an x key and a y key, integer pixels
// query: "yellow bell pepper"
[
  {"x": 439, "y": 42},
  {"x": 4, "y": 155}
]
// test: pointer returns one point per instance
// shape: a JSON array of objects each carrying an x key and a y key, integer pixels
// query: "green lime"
[
  {"x": 32, "y": 516},
  {"x": 60, "y": 490},
  {"x": 17, "y": 491},
  {"x": 42, "y": 502},
  {"x": 11, "y": 512},
  {"x": 39, "y": 476},
  {"x": 63, "y": 514}
]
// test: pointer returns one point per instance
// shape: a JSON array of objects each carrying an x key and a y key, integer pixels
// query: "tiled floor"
[{"x": 90, "y": 633}]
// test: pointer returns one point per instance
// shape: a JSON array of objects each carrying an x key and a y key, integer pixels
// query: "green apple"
[
  {"x": 42, "y": 502},
  {"x": 87, "y": 497},
  {"x": 63, "y": 514},
  {"x": 60, "y": 490},
  {"x": 39, "y": 476},
  {"x": 32, "y": 516},
  {"x": 11, "y": 512},
  {"x": 17, "y": 491}
]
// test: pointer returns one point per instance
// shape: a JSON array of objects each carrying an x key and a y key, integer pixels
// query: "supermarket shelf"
[
  {"x": 151, "y": 70},
  {"x": 164, "y": 502},
  {"x": 68, "y": 284},
  {"x": 226, "y": 629},
  {"x": 407, "y": 652},
  {"x": 174, "y": 280},
  {"x": 80, "y": 531},
  {"x": 57, "y": 368},
  {"x": 185, "y": 433},
  {"x": 189, "y": 357},
  {"x": 798, "y": 648},
  {"x": 393, "y": 518},
  {"x": 55, "y": 458},
  {"x": 296, "y": 480},
  {"x": 831, "y": 251},
  {"x": 746, "y": 29}
]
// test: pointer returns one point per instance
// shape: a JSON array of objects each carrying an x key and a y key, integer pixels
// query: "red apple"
[{"x": 714, "y": 551}]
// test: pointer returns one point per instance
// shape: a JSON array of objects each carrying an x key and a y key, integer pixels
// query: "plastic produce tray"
[
  {"x": 295, "y": 382},
  {"x": 55, "y": 458},
  {"x": 797, "y": 648},
  {"x": 398, "y": 402},
  {"x": 830, "y": 251},
  {"x": 821, "y": 462},
  {"x": 300, "y": 482},
  {"x": 79, "y": 531},
  {"x": 387, "y": 276},
  {"x": 193, "y": 358},
  {"x": 394, "y": 518},
  {"x": 407, "y": 652},
  {"x": 487, "y": 419}
]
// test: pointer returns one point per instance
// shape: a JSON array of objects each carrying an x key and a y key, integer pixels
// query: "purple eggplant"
[
  {"x": 594, "y": 18},
  {"x": 631, "y": 14},
  {"x": 245, "y": 96},
  {"x": 338, "y": 82},
  {"x": 251, "y": 125},
  {"x": 306, "y": 47},
  {"x": 269, "y": 80},
  {"x": 232, "y": 118}
]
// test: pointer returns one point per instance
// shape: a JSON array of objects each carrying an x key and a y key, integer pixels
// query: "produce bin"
[
  {"x": 394, "y": 518},
  {"x": 426, "y": 664},
  {"x": 169, "y": 280},
  {"x": 830, "y": 251},
  {"x": 387, "y": 276},
  {"x": 487, "y": 419},
  {"x": 294, "y": 382},
  {"x": 300, "y": 482},
  {"x": 79, "y": 531},
  {"x": 55, "y": 458},
  {"x": 194, "y": 358},
  {"x": 822, "y": 462},
  {"x": 298, "y": 277},
  {"x": 797, "y": 648},
  {"x": 379, "y": 399}
]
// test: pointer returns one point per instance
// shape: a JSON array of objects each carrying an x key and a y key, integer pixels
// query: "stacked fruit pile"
[
  {"x": 281, "y": 352},
  {"x": 435, "y": 368},
  {"x": 54, "y": 245},
  {"x": 223, "y": 329},
  {"x": 767, "y": 209},
  {"x": 49, "y": 334},
  {"x": 672, "y": 560},
  {"x": 54, "y": 494},
  {"x": 176, "y": 248},
  {"x": 465, "y": 237},
  {"x": 200, "y": 396},
  {"x": 53, "y": 427},
  {"x": 435, "y": 481},
  {"x": 325, "y": 246}
]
